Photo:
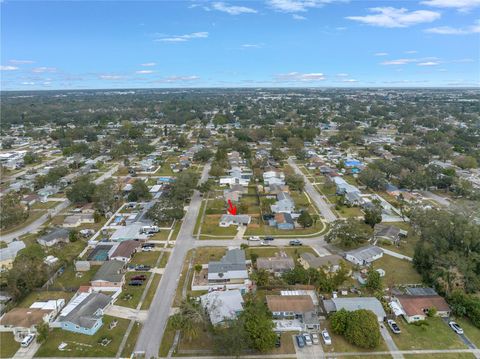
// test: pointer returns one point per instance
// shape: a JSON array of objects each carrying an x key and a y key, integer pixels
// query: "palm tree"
[{"x": 190, "y": 318}]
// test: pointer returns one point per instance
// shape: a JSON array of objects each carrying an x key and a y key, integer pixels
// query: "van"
[{"x": 27, "y": 340}]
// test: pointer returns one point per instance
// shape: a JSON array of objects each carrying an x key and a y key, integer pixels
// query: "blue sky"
[{"x": 274, "y": 43}]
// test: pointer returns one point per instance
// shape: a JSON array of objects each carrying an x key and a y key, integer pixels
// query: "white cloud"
[
  {"x": 461, "y": 5},
  {"x": 448, "y": 30},
  {"x": 148, "y": 64},
  {"x": 182, "y": 78},
  {"x": 428, "y": 63},
  {"x": 21, "y": 62},
  {"x": 251, "y": 46},
  {"x": 183, "y": 38},
  {"x": 298, "y": 17},
  {"x": 398, "y": 62},
  {"x": 232, "y": 9},
  {"x": 144, "y": 72},
  {"x": 8, "y": 68},
  {"x": 396, "y": 17},
  {"x": 293, "y": 6},
  {"x": 380, "y": 54},
  {"x": 44, "y": 69},
  {"x": 300, "y": 77},
  {"x": 28, "y": 83},
  {"x": 349, "y": 80},
  {"x": 110, "y": 77}
]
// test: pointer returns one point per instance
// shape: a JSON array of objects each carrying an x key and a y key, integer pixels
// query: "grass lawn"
[
  {"x": 80, "y": 345},
  {"x": 67, "y": 251},
  {"x": 131, "y": 341},
  {"x": 160, "y": 236},
  {"x": 130, "y": 296},
  {"x": 471, "y": 331},
  {"x": 165, "y": 170},
  {"x": 33, "y": 216},
  {"x": 437, "y": 335},
  {"x": 440, "y": 356},
  {"x": 204, "y": 255},
  {"x": 398, "y": 271},
  {"x": 46, "y": 205},
  {"x": 181, "y": 280},
  {"x": 44, "y": 296},
  {"x": 267, "y": 230},
  {"x": 204, "y": 341},
  {"x": 151, "y": 291},
  {"x": 164, "y": 260},
  {"x": 339, "y": 344},
  {"x": 69, "y": 279},
  {"x": 210, "y": 227},
  {"x": 147, "y": 258},
  {"x": 8, "y": 345},
  {"x": 167, "y": 340},
  {"x": 347, "y": 212},
  {"x": 199, "y": 218}
]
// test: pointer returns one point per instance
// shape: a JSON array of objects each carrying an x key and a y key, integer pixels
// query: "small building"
[
  {"x": 282, "y": 221},
  {"x": 298, "y": 308},
  {"x": 78, "y": 219},
  {"x": 222, "y": 306},
  {"x": 416, "y": 307},
  {"x": 284, "y": 204},
  {"x": 364, "y": 255},
  {"x": 276, "y": 265},
  {"x": 84, "y": 313},
  {"x": 330, "y": 263},
  {"x": 355, "y": 303},
  {"x": 58, "y": 235},
  {"x": 110, "y": 276},
  {"x": 226, "y": 220},
  {"x": 125, "y": 251},
  {"x": 388, "y": 233},
  {"x": 82, "y": 266}
]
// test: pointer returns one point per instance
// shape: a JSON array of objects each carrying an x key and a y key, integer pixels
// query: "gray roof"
[
  {"x": 365, "y": 253},
  {"x": 233, "y": 260},
  {"x": 387, "y": 231},
  {"x": 284, "y": 196},
  {"x": 238, "y": 218},
  {"x": 57, "y": 233},
  {"x": 10, "y": 252},
  {"x": 84, "y": 314},
  {"x": 110, "y": 271},
  {"x": 318, "y": 262},
  {"x": 420, "y": 291},
  {"x": 352, "y": 304},
  {"x": 276, "y": 263}
]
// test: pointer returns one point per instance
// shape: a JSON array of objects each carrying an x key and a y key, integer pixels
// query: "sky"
[{"x": 47, "y": 45}]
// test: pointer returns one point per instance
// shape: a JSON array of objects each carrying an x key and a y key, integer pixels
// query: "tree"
[
  {"x": 349, "y": 233},
  {"x": 139, "y": 191},
  {"x": 232, "y": 340},
  {"x": 339, "y": 321},
  {"x": 305, "y": 219},
  {"x": 465, "y": 162},
  {"x": 198, "y": 268},
  {"x": 372, "y": 178},
  {"x": 82, "y": 190},
  {"x": 258, "y": 325},
  {"x": 184, "y": 185},
  {"x": 261, "y": 277},
  {"x": 363, "y": 329},
  {"x": 73, "y": 236},
  {"x": 373, "y": 215},
  {"x": 216, "y": 170},
  {"x": 190, "y": 318},
  {"x": 105, "y": 195},
  {"x": 42, "y": 332},
  {"x": 203, "y": 155},
  {"x": 295, "y": 182},
  {"x": 12, "y": 212},
  {"x": 30, "y": 158},
  {"x": 374, "y": 281}
]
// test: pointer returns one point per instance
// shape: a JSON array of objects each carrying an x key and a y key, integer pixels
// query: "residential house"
[
  {"x": 234, "y": 193},
  {"x": 77, "y": 220},
  {"x": 110, "y": 276},
  {"x": 276, "y": 265},
  {"x": 125, "y": 251},
  {"x": 351, "y": 304},
  {"x": 9, "y": 253},
  {"x": 284, "y": 204},
  {"x": 298, "y": 309},
  {"x": 282, "y": 221},
  {"x": 364, "y": 255},
  {"x": 273, "y": 177},
  {"x": 416, "y": 307},
  {"x": 226, "y": 220},
  {"x": 57, "y": 235},
  {"x": 330, "y": 263},
  {"x": 23, "y": 321},
  {"x": 222, "y": 306},
  {"x": 230, "y": 271},
  {"x": 388, "y": 233},
  {"x": 84, "y": 313}
]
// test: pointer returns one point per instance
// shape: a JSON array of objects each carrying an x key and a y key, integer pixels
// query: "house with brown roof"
[
  {"x": 297, "y": 309},
  {"x": 276, "y": 265},
  {"x": 125, "y": 251},
  {"x": 23, "y": 321},
  {"x": 416, "y": 307}
]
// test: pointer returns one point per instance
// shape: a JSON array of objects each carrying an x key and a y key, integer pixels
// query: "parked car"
[
  {"x": 145, "y": 245},
  {"x": 254, "y": 238},
  {"x": 142, "y": 268},
  {"x": 263, "y": 243},
  {"x": 308, "y": 339},
  {"x": 326, "y": 337},
  {"x": 147, "y": 249},
  {"x": 315, "y": 338},
  {"x": 278, "y": 340},
  {"x": 455, "y": 327},
  {"x": 139, "y": 277},
  {"x": 135, "y": 283},
  {"x": 269, "y": 239},
  {"x": 300, "y": 341},
  {"x": 393, "y": 326},
  {"x": 295, "y": 242},
  {"x": 27, "y": 340}
]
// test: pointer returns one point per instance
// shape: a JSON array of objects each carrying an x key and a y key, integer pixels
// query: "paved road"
[
  {"x": 35, "y": 225},
  {"x": 152, "y": 332},
  {"x": 316, "y": 197},
  {"x": 27, "y": 353},
  {"x": 439, "y": 199}
]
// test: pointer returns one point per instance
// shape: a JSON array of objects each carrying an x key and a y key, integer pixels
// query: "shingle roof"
[
  {"x": 365, "y": 253},
  {"x": 84, "y": 314},
  {"x": 24, "y": 317},
  {"x": 275, "y": 263},
  {"x": 126, "y": 249},
  {"x": 415, "y": 305},
  {"x": 234, "y": 259},
  {"x": 290, "y": 303},
  {"x": 110, "y": 271}
]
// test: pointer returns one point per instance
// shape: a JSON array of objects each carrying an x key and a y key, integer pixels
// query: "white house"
[{"x": 364, "y": 255}]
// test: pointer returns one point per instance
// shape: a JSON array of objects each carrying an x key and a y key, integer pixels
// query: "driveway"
[
  {"x": 316, "y": 197},
  {"x": 152, "y": 331},
  {"x": 390, "y": 343},
  {"x": 27, "y": 353},
  {"x": 127, "y": 313},
  {"x": 308, "y": 352}
]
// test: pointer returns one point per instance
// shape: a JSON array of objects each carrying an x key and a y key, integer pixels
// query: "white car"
[
  {"x": 394, "y": 326},
  {"x": 315, "y": 338},
  {"x": 147, "y": 249},
  {"x": 308, "y": 339},
  {"x": 27, "y": 340},
  {"x": 263, "y": 243},
  {"x": 455, "y": 327},
  {"x": 254, "y": 238},
  {"x": 326, "y": 337}
]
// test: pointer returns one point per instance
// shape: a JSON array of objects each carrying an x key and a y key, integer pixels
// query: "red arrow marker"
[{"x": 231, "y": 208}]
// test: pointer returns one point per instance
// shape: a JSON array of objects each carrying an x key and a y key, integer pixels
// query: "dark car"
[
  {"x": 135, "y": 283},
  {"x": 267, "y": 217},
  {"x": 142, "y": 267},
  {"x": 139, "y": 277},
  {"x": 148, "y": 245},
  {"x": 269, "y": 239},
  {"x": 278, "y": 340},
  {"x": 295, "y": 242},
  {"x": 300, "y": 341}
]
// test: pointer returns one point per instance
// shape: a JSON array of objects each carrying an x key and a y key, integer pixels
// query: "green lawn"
[
  {"x": 437, "y": 335},
  {"x": 44, "y": 296},
  {"x": 471, "y": 331},
  {"x": 146, "y": 258},
  {"x": 347, "y": 212},
  {"x": 131, "y": 341},
  {"x": 151, "y": 291},
  {"x": 263, "y": 230},
  {"x": 69, "y": 279},
  {"x": 167, "y": 340},
  {"x": 204, "y": 255},
  {"x": 440, "y": 356},
  {"x": 33, "y": 215},
  {"x": 164, "y": 260},
  {"x": 160, "y": 236},
  {"x": 79, "y": 345},
  {"x": 398, "y": 271},
  {"x": 199, "y": 218},
  {"x": 8, "y": 345},
  {"x": 130, "y": 296},
  {"x": 210, "y": 227}
]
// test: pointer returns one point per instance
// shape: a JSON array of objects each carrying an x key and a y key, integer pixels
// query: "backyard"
[{"x": 397, "y": 271}]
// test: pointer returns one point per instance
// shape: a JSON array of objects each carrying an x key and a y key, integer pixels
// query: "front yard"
[
  {"x": 69, "y": 278},
  {"x": 146, "y": 258},
  {"x": 130, "y": 296},
  {"x": 8, "y": 345}
]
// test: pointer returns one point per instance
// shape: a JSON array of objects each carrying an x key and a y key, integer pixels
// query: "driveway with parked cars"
[{"x": 312, "y": 351}]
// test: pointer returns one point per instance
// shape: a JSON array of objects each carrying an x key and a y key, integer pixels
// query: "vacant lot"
[
  {"x": 398, "y": 271},
  {"x": 435, "y": 335},
  {"x": 146, "y": 258},
  {"x": 130, "y": 296},
  {"x": 80, "y": 345},
  {"x": 69, "y": 278},
  {"x": 8, "y": 346}
]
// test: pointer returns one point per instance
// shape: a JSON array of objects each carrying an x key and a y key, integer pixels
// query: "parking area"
[{"x": 313, "y": 351}]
